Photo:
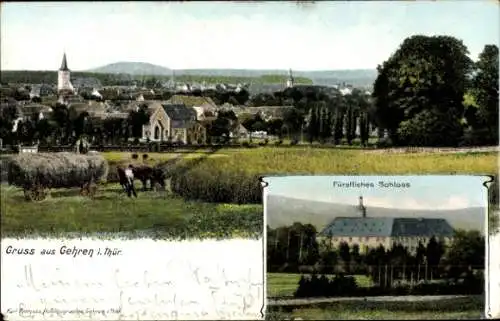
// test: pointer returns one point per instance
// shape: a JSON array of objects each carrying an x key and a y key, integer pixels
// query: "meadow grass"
[
  {"x": 112, "y": 211},
  {"x": 446, "y": 309},
  {"x": 285, "y": 284},
  {"x": 306, "y": 160}
]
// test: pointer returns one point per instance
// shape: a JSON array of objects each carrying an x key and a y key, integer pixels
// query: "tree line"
[
  {"x": 148, "y": 81},
  {"x": 295, "y": 249}
]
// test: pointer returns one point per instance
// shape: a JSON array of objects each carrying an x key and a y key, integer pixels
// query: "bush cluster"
[
  {"x": 346, "y": 286},
  {"x": 217, "y": 185}
]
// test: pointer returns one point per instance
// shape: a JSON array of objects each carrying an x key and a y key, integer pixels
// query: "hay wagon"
[{"x": 37, "y": 173}]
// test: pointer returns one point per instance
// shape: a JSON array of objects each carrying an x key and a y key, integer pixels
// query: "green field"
[
  {"x": 300, "y": 160},
  {"x": 285, "y": 284},
  {"x": 169, "y": 214},
  {"x": 112, "y": 211},
  {"x": 448, "y": 309}
]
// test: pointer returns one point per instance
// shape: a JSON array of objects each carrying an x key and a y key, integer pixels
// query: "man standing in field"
[{"x": 129, "y": 175}]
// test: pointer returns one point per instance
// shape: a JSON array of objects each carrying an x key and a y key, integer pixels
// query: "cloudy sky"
[
  {"x": 426, "y": 192},
  {"x": 267, "y": 35}
]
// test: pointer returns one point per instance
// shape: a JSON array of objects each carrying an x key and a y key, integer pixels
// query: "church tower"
[
  {"x": 63, "y": 78},
  {"x": 290, "y": 81}
]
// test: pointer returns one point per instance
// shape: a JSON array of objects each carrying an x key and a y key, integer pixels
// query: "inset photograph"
[{"x": 376, "y": 247}]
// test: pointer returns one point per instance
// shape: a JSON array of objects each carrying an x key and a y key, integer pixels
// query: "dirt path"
[{"x": 436, "y": 150}]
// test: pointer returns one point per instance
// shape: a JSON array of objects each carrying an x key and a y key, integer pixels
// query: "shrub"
[
  {"x": 217, "y": 185},
  {"x": 135, "y": 156},
  {"x": 145, "y": 157}
]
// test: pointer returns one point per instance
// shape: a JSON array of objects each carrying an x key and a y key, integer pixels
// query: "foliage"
[
  {"x": 483, "y": 116},
  {"x": 217, "y": 185},
  {"x": 422, "y": 86},
  {"x": 47, "y": 77},
  {"x": 435, "y": 268}
]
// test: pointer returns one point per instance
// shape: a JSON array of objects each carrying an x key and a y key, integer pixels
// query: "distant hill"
[
  {"x": 283, "y": 211},
  {"x": 356, "y": 77},
  {"x": 133, "y": 68},
  {"x": 125, "y": 72}
]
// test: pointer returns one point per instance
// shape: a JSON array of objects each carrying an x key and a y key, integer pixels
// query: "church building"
[{"x": 64, "y": 85}]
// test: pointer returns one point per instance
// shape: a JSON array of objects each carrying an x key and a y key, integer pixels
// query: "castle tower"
[
  {"x": 63, "y": 78},
  {"x": 289, "y": 82},
  {"x": 361, "y": 207}
]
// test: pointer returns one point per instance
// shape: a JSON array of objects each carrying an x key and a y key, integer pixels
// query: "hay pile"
[{"x": 56, "y": 170}]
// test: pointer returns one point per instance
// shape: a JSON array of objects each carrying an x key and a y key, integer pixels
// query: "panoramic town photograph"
[
  {"x": 160, "y": 117},
  {"x": 376, "y": 247}
]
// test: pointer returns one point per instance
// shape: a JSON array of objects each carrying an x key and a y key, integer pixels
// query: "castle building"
[
  {"x": 64, "y": 85},
  {"x": 371, "y": 232}
]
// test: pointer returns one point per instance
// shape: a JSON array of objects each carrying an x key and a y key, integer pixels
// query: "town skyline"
[{"x": 201, "y": 35}]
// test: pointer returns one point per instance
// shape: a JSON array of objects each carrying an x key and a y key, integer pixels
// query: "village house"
[
  {"x": 370, "y": 232},
  {"x": 240, "y": 132},
  {"x": 202, "y": 105},
  {"x": 185, "y": 127}
]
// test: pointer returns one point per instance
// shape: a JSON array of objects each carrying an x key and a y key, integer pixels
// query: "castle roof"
[{"x": 387, "y": 227}]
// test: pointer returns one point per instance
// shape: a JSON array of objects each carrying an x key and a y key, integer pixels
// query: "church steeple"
[{"x": 64, "y": 64}]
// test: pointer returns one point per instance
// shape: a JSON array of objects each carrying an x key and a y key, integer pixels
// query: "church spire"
[{"x": 64, "y": 64}]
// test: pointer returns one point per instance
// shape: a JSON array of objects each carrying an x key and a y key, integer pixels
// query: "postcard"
[
  {"x": 379, "y": 247},
  {"x": 134, "y": 136}
]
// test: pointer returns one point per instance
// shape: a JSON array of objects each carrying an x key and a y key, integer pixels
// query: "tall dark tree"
[
  {"x": 419, "y": 91},
  {"x": 466, "y": 253},
  {"x": 137, "y": 119},
  {"x": 339, "y": 109},
  {"x": 485, "y": 89},
  {"x": 345, "y": 255}
]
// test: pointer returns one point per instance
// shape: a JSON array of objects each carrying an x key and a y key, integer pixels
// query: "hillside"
[
  {"x": 285, "y": 211},
  {"x": 356, "y": 77},
  {"x": 124, "y": 73},
  {"x": 133, "y": 68}
]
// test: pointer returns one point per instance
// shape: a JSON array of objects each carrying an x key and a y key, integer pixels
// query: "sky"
[
  {"x": 425, "y": 193},
  {"x": 230, "y": 35}
]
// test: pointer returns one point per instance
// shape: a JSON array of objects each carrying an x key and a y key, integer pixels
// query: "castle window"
[{"x": 350, "y": 239}]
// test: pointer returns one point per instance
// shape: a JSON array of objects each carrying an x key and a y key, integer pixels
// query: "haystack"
[{"x": 56, "y": 170}]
